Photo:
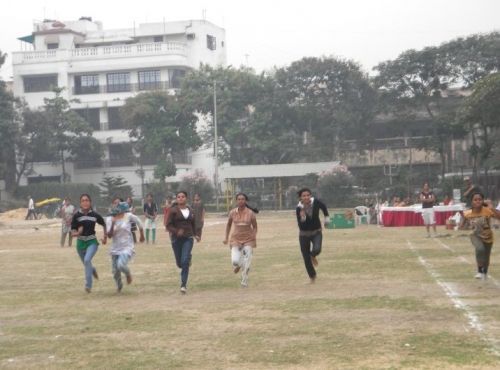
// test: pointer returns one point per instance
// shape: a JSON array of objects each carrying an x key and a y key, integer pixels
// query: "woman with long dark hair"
[
  {"x": 83, "y": 227},
  {"x": 310, "y": 230},
  {"x": 479, "y": 217},
  {"x": 243, "y": 238},
  {"x": 181, "y": 225}
]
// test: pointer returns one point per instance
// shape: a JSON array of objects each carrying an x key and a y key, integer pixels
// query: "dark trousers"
[
  {"x": 182, "y": 251},
  {"x": 310, "y": 246}
]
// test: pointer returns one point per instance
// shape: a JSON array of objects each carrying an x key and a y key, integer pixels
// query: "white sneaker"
[
  {"x": 479, "y": 275},
  {"x": 183, "y": 290}
]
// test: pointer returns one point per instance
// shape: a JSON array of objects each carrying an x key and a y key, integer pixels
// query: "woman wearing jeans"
[
  {"x": 181, "y": 226},
  {"x": 83, "y": 227},
  {"x": 310, "y": 235},
  {"x": 119, "y": 226}
]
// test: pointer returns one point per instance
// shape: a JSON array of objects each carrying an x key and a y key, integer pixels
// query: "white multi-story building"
[{"x": 101, "y": 68}]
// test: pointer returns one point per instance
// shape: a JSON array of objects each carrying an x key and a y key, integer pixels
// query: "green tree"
[
  {"x": 9, "y": 132},
  {"x": 480, "y": 114},
  {"x": 69, "y": 133},
  {"x": 165, "y": 168},
  {"x": 237, "y": 91},
  {"x": 112, "y": 186},
  {"x": 159, "y": 125},
  {"x": 412, "y": 86},
  {"x": 333, "y": 101}
]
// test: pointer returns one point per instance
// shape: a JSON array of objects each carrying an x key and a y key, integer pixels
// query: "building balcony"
[
  {"x": 131, "y": 87},
  {"x": 101, "y": 52}
]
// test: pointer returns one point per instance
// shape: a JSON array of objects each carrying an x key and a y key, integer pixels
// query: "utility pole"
[{"x": 216, "y": 149}]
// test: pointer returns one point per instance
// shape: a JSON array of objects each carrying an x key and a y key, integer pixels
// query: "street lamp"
[{"x": 216, "y": 149}]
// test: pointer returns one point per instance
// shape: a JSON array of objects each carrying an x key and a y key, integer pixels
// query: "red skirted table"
[{"x": 412, "y": 215}]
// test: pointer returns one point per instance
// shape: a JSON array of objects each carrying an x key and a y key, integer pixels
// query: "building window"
[
  {"x": 149, "y": 80},
  {"x": 175, "y": 77},
  {"x": 115, "y": 121},
  {"x": 52, "y": 46},
  {"x": 87, "y": 84},
  {"x": 91, "y": 115},
  {"x": 39, "y": 83},
  {"x": 118, "y": 82},
  {"x": 121, "y": 155},
  {"x": 211, "y": 42},
  {"x": 157, "y": 38}
]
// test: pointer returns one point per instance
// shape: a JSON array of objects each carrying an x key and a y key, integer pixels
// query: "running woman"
[
  {"x": 243, "y": 238},
  {"x": 83, "y": 227},
  {"x": 181, "y": 225},
  {"x": 119, "y": 226},
  {"x": 428, "y": 199},
  {"x": 310, "y": 230},
  {"x": 479, "y": 217},
  {"x": 150, "y": 212}
]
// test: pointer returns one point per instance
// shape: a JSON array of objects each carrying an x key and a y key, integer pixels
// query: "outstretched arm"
[{"x": 228, "y": 230}]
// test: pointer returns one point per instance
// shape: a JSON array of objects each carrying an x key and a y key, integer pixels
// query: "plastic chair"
[{"x": 361, "y": 215}]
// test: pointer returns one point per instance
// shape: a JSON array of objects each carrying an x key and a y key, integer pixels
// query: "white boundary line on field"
[
  {"x": 451, "y": 293},
  {"x": 464, "y": 259}
]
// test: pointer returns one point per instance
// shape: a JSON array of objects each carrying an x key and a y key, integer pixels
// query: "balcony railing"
[
  {"x": 180, "y": 158},
  {"x": 102, "y": 52},
  {"x": 135, "y": 87}
]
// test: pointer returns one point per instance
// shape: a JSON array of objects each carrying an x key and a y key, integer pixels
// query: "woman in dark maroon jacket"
[{"x": 181, "y": 225}]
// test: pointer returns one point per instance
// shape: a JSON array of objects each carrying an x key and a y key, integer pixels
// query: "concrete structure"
[{"x": 101, "y": 68}]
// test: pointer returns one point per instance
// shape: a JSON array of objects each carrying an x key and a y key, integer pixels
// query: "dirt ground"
[{"x": 385, "y": 298}]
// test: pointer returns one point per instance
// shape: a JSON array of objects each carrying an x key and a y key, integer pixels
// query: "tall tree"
[
  {"x": 333, "y": 100},
  {"x": 9, "y": 132},
  {"x": 480, "y": 114},
  {"x": 69, "y": 133},
  {"x": 160, "y": 125},
  {"x": 412, "y": 85},
  {"x": 237, "y": 91}
]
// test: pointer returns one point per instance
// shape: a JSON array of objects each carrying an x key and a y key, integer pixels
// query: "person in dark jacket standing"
[
  {"x": 181, "y": 225},
  {"x": 310, "y": 229}
]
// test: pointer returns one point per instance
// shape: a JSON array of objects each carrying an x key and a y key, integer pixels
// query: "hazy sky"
[{"x": 269, "y": 33}]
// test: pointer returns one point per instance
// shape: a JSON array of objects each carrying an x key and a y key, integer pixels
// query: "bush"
[
  {"x": 336, "y": 187},
  {"x": 46, "y": 190},
  {"x": 197, "y": 183}
]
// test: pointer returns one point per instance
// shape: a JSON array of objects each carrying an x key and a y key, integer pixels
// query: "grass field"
[{"x": 384, "y": 299}]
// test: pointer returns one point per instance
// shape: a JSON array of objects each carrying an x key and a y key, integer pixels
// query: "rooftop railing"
[{"x": 102, "y": 52}]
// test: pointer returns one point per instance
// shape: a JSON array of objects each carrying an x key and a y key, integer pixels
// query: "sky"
[{"x": 266, "y": 33}]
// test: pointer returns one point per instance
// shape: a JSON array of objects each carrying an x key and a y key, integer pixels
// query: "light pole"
[{"x": 216, "y": 149}]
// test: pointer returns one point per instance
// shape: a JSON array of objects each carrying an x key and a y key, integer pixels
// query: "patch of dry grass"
[{"x": 373, "y": 305}]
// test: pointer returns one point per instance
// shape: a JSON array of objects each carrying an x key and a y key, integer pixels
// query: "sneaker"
[
  {"x": 94, "y": 274},
  {"x": 88, "y": 290},
  {"x": 479, "y": 275},
  {"x": 244, "y": 284},
  {"x": 183, "y": 290},
  {"x": 485, "y": 276},
  {"x": 129, "y": 279},
  {"x": 313, "y": 279},
  {"x": 236, "y": 269},
  {"x": 314, "y": 261},
  {"x": 119, "y": 289}
]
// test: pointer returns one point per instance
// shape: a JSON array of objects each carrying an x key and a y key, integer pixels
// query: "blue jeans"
[
  {"x": 119, "y": 264},
  {"x": 306, "y": 242},
  {"x": 86, "y": 256},
  {"x": 182, "y": 251}
]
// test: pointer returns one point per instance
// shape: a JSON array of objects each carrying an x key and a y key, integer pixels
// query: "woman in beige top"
[{"x": 243, "y": 237}]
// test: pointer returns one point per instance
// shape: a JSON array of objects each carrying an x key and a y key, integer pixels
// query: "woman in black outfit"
[{"x": 310, "y": 235}]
